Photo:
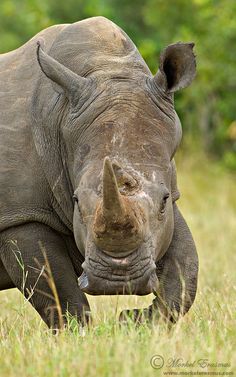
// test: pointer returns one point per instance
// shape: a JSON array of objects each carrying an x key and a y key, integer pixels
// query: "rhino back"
[{"x": 97, "y": 47}]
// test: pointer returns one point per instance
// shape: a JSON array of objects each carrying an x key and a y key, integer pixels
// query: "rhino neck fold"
[{"x": 47, "y": 114}]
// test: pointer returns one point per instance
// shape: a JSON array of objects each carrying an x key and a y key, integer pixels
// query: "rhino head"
[{"x": 120, "y": 132}]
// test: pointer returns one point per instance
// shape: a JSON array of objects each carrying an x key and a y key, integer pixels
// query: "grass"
[{"x": 208, "y": 331}]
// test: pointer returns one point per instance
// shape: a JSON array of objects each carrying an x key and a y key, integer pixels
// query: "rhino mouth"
[{"x": 106, "y": 275}]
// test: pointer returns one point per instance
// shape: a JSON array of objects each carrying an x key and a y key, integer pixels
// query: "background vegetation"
[
  {"x": 207, "y": 108},
  {"x": 208, "y": 200}
]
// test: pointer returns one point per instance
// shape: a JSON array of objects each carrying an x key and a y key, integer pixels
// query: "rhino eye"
[
  {"x": 163, "y": 203},
  {"x": 129, "y": 184},
  {"x": 75, "y": 199}
]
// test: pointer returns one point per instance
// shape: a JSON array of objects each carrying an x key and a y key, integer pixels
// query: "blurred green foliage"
[{"x": 207, "y": 109}]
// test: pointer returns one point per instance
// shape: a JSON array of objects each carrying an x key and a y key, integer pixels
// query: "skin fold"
[{"x": 88, "y": 183}]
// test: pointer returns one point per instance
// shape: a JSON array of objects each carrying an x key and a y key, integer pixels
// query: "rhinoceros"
[{"x": 88, "y": 184}]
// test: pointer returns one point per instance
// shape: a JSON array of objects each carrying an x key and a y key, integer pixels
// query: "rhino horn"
[
  {"x": 66, "y": 80},
  {"x": 119, "y": 224},
  {"x": 112, "y": 203}
]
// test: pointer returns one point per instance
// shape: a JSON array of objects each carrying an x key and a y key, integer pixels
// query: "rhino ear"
[
  {"x": 66, "y": 80},
  {"x": 177, "y": 67}
]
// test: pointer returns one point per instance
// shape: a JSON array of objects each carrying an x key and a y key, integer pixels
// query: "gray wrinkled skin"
[{"x": 87, "y": 173}]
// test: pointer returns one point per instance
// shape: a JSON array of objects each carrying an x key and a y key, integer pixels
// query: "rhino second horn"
[{"x": 112, "y": 203}]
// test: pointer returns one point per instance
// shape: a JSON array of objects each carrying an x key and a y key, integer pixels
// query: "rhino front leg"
[
  {"x": 177, "y": 271},
  {"x": 51, "y": 287},
  {"x": 5, "y": 280}
]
